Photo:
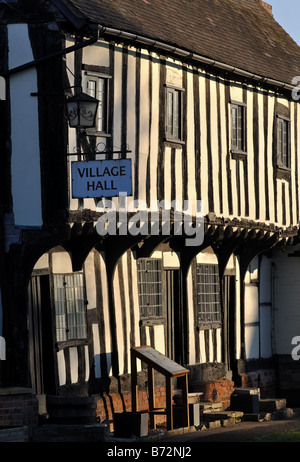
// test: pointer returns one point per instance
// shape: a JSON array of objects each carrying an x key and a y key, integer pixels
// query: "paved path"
[{"x": 243, "y": 432}]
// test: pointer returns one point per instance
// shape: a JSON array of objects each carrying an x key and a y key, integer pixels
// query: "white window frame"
[
  {"x": 208, "y": 295},
  {"x": 70, "y": 306},
  {"x": 174, "y": 118},
  {"x": 280, "y": 154},
  {"x": 238, "y": 143},
  {"x": 150, "y": 288},
  {"x": 99, "y": 80}
]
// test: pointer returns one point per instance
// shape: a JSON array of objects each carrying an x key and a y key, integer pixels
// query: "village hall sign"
[{"x": 101, "y": 178}]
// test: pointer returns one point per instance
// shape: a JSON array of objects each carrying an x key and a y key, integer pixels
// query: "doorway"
[
  {"x": 41, "y": 345},
  {"x": 229, "y": 313},
  {"x": 175, "y": 325}
]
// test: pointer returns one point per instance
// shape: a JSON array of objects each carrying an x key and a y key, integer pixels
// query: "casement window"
[
  {"x": 97, "y": 87},
  {"x": 150, "y": 284},
  {"x": 208, "y": 295},
  {"x": 283, "y": 155},
  {"x": 173, "y": 114},
  {"x": 70, "y": 307},
  {"x": 238, "y": 127}
]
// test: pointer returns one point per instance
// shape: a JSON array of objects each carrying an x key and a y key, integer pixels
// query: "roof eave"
[
  {"x": 181, "y": 53},
  {"x": 71, "y": 13}
]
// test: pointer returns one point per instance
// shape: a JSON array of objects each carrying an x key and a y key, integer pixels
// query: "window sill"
[
  {"x": 283, "y": 173},
  {"x": 238, "y": 154},
  {"x": 206, "y": 326},
  {"x": 70, "y": 343},
  {"x": 152, "y": 322},
  {"x": 174, "y": 141},
  {"x": 95, "y": 133}
]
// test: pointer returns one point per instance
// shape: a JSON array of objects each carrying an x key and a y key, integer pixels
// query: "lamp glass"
[{"x": 82, "y": 111}]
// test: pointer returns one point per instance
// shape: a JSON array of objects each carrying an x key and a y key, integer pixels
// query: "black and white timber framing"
[{"x": 251, "y": 208}]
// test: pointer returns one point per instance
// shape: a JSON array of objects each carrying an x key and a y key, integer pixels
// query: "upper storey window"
[
  {"x": 97, "y": 87},
  {"x": 283, "y": 157},
  {"x": 238, "y": 128},
  {"x": 174, "y": 114}
]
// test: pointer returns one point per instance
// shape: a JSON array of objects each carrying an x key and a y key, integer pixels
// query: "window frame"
[
  {"x": 91, "y": 76},
  {"x": 69, "y": 340},
  {"x": 279, "y": 164},
  {"x": 202, "y": 315},
  {"x": 152, "y": 318},
  {"x": 170, "y": 134},
  {"x": 235, "y": 148}
]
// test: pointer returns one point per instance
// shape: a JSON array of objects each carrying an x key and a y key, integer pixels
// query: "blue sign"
[{"x": 101, "y": 178}]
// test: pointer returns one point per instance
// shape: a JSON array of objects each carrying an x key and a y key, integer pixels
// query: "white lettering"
[
  {"x": 296, "y": 90},
  {"x": 2, "y": 349},
  {"x": 160, "y": 219},
  {"x": 118, "y": 452},
  {"x": 2, "y": 88},
  {"x": 296, "y": 350}
]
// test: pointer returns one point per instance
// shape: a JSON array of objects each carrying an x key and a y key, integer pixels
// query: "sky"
[{"x": 287, "y": 14}]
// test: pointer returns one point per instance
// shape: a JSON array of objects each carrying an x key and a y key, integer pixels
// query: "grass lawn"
[{"x": 280, "y": 437}]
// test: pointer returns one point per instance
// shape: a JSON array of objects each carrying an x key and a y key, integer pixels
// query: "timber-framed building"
[{"x": 200, "y": 96}]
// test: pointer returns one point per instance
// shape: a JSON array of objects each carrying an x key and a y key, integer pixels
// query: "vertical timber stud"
[
  {"x": 185, "y": 401},
  {"x": 134, "y": 395},
  {"x": 151, "y": 394},
  {"x": 169, "y": 406}
]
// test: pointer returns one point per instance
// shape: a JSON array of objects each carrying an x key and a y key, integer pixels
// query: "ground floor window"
[
  {"x": 150, "y": 283},
  {"x": 208, "y": 295},
  {"x": 70, "y": 307}
]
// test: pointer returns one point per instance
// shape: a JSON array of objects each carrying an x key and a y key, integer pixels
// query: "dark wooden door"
[
  {"x": 229, "y": 314},
  {"x": 173, "y": 314},
  {"x": 40, "y": 335}
]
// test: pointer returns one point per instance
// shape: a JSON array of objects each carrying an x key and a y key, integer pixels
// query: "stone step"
[
  {"x": 296, "y": 411},
  {"x": 217, "y": 419},
  {"x": 207, "y": 407},
  {"x": 71, "y": 410},
  {"x": 226, "y": 418},
  {"x": 272, "y": 404},
  {"x": 222, "y": 415},
  {"x": 253, "y": 418},
  {"x": 193, "y": 398},
  {"x": 247, "y": 391},
  {"x": 281, "y": 414}
]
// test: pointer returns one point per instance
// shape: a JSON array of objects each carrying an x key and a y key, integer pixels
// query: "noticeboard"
[{"x": 101, "y": 178}]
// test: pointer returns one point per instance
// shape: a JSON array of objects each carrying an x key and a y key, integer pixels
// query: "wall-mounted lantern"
[{"x": 82, "y": 111}]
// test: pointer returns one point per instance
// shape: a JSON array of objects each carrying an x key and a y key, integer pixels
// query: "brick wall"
[
  {"x": 289, "y": 380},
  {"x": 265, "y": 380},
  {"x": 18, "y": 408},
  {"x": 215, "y": 391},
  {"x": 108, "y": 404}
]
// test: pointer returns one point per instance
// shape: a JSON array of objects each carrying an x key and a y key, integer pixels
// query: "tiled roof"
[{"x": 241, "y": 33}]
